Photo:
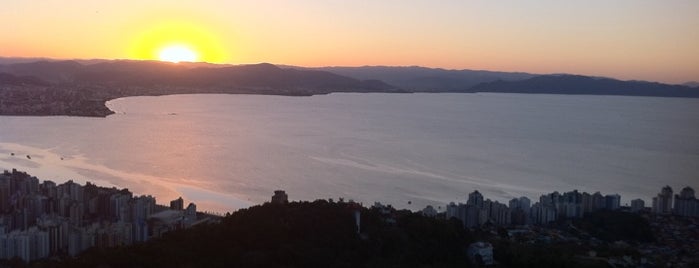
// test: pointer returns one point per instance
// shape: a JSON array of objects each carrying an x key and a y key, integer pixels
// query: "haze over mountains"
[
  {"x": 691, "y": 84},
  {"x": 422, "y": 79},
  {"x": 52, "y": 87},
  {"x": 411, "y": 79},
  {"x": 585, "y": 85}
]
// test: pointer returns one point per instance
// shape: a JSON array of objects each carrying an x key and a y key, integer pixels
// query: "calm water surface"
[{"x": 229, "y": 151}]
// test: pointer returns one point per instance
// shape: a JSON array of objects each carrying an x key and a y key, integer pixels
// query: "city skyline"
[{"x": 41, "y": 218}]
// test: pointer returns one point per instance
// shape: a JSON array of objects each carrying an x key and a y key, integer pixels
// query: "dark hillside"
[
  {"x": 585, "y": 85},
  {"x": 303, "y": 234}
]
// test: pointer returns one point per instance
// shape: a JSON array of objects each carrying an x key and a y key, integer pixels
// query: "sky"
[{"x": 624, "y": 39}]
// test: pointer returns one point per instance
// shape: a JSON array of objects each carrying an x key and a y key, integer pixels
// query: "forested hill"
[
  {"x": 298, "y": 234},
  {"x": 323, "y": 233}
]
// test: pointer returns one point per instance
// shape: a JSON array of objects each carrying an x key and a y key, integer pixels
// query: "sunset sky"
[{"x": 626, "y": 39}]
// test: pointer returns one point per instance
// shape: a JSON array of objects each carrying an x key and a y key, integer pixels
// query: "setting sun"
[
  {"x": 177, "y": 53},
  {"x": 177, "y": 41}
]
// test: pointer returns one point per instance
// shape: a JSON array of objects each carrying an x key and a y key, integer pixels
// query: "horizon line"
[{"x": 39, "y": 58}]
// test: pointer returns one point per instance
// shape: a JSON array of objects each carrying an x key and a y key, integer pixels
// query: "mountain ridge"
[
  {"x": 585, "y": 85},
  {"x": 72, "y": 87},
  {"x": 694, "y": 84},
  {"x": 424, "y": 79}
]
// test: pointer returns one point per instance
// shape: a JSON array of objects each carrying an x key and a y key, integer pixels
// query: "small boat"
[
  {"x": 29, "y": 157},
  {"x": 12, "y": 154}
]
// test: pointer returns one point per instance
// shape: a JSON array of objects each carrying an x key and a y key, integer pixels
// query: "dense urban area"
[
  {"x": 44, "y": 223},
  {"x": 42, "y": 219}
]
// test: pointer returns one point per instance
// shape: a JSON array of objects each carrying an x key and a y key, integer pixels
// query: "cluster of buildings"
[
  {"x": 42, "y": 219},
  {"x": 553, "y": 206},
  {"x": 478, "y": 211},
  {"x": 685, "y": 203},
  {"x": 673, "y": 219}
]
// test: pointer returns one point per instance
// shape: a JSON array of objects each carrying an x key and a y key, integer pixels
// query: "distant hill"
[
  {"x": 80, "y": 87},
  {"x": 585, "y": 85},
  {"x": 691, "y": 84},
  {"x": 10, "y": 79},
  {"x": 155, "y": 73},
  {"x": 51, "y": 71},
  {"x": 13, "y": 60},
  {"x": 421, "y": 79},
  {"x": 74, "y": 88}
]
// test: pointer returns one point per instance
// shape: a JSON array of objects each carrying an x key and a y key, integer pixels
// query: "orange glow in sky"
[
  {"x": 626, "y": 39},
  {"x": 174, "y": 41}
]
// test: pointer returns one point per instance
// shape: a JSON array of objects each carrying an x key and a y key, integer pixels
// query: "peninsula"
[
  {"x": 81, "y": 88},
  {"x": 75, "y": 89}
]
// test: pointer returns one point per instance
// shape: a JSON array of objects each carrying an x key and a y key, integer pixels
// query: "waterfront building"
[
  {"x": 519, "y": 209},
  {"x": 76, "y": 213},
  {"x": 612, "y": 201},
  {"x": 522, "y": 203},
  {"x": 662, "y": 204},
  {"x": 525, "y": 204},
  {"x": 119, "y": 207},
  {"x": 495, "y": 213},
  {"x": 569, "y": 205},
  {"x": 5, "y": 191},
  {"x": 598, "y": 201},
  {"x": 190, "y": 214},
  {"x": 514, "y": 203},
  {"x": 637, "y": 205},
  {"x": 542, "y": 213},
  {"x": 586, "y": 202},
  {"x": 547, "y": 200},
  {"x": 459, "y": 212},
  {"x": 452, "y": 211},
  {"x": 177, "y": 204},
  {"x": 472, "y": 216},
  {"x": 48, "y": 219},
  {"x": 28, "y": 245},
  {"x": 475, "y": 199},
  {"x": 686, "y": 204},
  {"x": 141, "y": 209}
]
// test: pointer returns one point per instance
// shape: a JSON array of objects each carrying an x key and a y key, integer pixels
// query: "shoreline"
[{"x": 103, "y": 111}]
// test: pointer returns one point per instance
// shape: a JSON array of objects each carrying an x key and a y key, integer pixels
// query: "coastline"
[{"x": 27, "y": 104}]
